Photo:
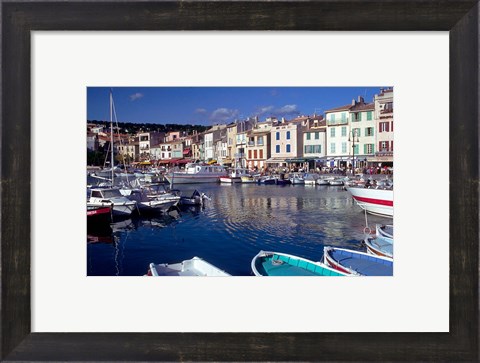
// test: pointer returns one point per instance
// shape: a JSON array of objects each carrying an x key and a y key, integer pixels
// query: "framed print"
[{"x": 29, "y": 27}]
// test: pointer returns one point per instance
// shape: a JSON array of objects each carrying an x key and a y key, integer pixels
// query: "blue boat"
[
  {"x": 357, "y": 263},
  {"x": 380, "y": 246},
  {"x": 267, "y": 263}
]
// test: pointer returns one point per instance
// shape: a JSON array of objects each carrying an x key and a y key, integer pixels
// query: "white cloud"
[
  {"x": 136, "y": 96},
  {"x": 287, "y": 110},
  {"x": 261, "y": 111},
  {"x": 201, "y": 110},
  {"x": 223, "y": 115}
]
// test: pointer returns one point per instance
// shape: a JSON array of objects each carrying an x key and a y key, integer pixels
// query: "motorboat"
[
  {"x": 310, "y": 179},
  {"x": 235, "y": 176},
  {"x": 193, "y": 267},
  {"x": 99, "y": 214},
  {"x": 196, "y": 198},
  {"x": 297, "y": 178},
  {"x": 111, "y": 197},
  {"x": 153, "y": 203},
  {"x": 196, "y": 173},
  {"x": 374, "y": 201},
  {"x": 267, "y": 263},
  {"x": 356, "y": 262}
]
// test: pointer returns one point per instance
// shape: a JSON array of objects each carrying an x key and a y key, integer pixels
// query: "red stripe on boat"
[{"x": 374, "y": 201}]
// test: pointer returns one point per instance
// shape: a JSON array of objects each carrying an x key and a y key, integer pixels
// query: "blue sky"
[{"x": 212, "y": 105}]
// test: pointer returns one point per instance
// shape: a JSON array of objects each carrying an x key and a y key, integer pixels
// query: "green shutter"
[
  {"x": 359, "y": 116},
  {"x": 308, "y": 136},
  {"x": 369, "y": 115}
]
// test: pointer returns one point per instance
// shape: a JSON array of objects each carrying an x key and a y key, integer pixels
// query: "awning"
[
  {"x": 212, "y": 162},
  {"x": 186, "y": 151},
  {"x": 275, "y": 161},
  {"x": 296, "y": 160},
  {"x": 164, "y": 161},
  {"x": 145, "y": 163}
]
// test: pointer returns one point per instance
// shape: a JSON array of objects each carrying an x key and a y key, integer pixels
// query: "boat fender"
[{"x": 367, "y": 230}]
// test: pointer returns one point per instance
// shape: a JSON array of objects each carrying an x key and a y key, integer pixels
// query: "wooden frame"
[{"x": 460, "y": 18}]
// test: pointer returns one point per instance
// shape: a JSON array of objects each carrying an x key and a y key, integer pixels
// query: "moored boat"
[
  {"x": 310, "y": 179},
  {"x": 111, "y": 197},
  {"x": 384, "y": 230},
  {"x": 374, "y": 201},
  {"x": 196, "y": 198},
  {"x": 379, "y": 246},
  {"x": 356, "y": 262},
  {"x": 193, "y": 267},
  {"x": 267, "y": 263},
  {"x": 235, "y": 176},
  {"x": 297, "y": 178},
  {"x": 196, "y": 173},
  {"x": 99, "y": 214}
]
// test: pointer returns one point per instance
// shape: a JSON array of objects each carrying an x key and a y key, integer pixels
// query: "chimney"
[
  {"x": 360, "y": 99},
  {"x": 353, "y": 102}
]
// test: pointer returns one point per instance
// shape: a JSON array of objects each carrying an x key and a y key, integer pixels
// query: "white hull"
[
  {"x": 374, "y": 201},
  {"x": 194, "y": 267},
  {"x": 191, "y": 179},
  {"x": 230, "y": 180}
]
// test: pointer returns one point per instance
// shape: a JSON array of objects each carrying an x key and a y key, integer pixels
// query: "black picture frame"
[{"x": 460, "y": 18}]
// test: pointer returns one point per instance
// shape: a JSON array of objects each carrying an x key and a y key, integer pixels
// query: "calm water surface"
[{"x": 231, "y": 228}]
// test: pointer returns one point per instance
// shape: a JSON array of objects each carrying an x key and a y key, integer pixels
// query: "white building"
[{"x": 384, "y": 126}]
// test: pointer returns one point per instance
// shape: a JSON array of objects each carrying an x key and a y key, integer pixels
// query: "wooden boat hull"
[
  {"x": 357, "y": 263},
  {"x": 379, "y": 246},
  {"x": 267, "y": 263},
  {"x": 193, "y": 267}
]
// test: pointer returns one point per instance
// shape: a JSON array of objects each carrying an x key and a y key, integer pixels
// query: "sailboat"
[{"x": 103, "y": 197}]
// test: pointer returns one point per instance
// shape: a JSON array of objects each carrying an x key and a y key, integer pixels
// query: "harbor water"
[{"x": 236, "y": 223}]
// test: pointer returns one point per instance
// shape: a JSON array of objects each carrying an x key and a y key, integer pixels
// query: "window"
[
  {"x": 356, "y": 132},
  {"x": 344, "y": 117},
  {"x": 359, "y": 116},
  {"x": 260, "y": 140},
  {"x": 332, "y": 147},
  {"x": 384, "y": 127},
  {"x": 344, "y": 147},
  {"x": 391, "y": 126},
  {"x": 332, "y": 118},
  {"x": 317, "y": 135},
  {"x": 261, "y": 153},
  {"x": 288, "y": 135},
  {"x": 277, "y": 149},
  {"x": 368, "y": 149},
  {"x": 383, "y": 145},
  {"x": 391, "y": 142},
  {"x": 332, "y": 132},
  {"x": 288, "y": 148},
  {"x": 356, "y": 149},
  {"x": 308, "y": 136},
  {"x": 369, "y": 115},
  {"x": 249, "y": 154},
  {"x": 255, "y": 154},
  {"x": 277, "y": 136},
  {"x": 318, "y": 149},
  {"x": 344, "y": 130},
  {"x": 368, "y": 131}
]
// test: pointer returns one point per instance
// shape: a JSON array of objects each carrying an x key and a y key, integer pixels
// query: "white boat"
[
  {"x": 103, "y": 197},
  {"x": 336, "y": 182},
  {"x": 384, "y": 230},
  {"x": 374, "y": 201},
  {"x": 193, "y": 267},
  {"x": 379, "y": 246},
  {"x": 235, "y": 176},
  {"x": 310, "y": 179},
  {"x": 146, "y": 202},
  {"x": 297, "y": 178},
  {"x": 323, "y": 180},
  {"x": 196, "y": 173}
]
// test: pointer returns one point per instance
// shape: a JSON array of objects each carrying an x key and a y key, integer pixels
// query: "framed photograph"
[{"x": 55, "y": 54}]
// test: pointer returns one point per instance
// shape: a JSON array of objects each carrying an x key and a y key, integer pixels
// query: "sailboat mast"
[{"x": 111, "y": 134}]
